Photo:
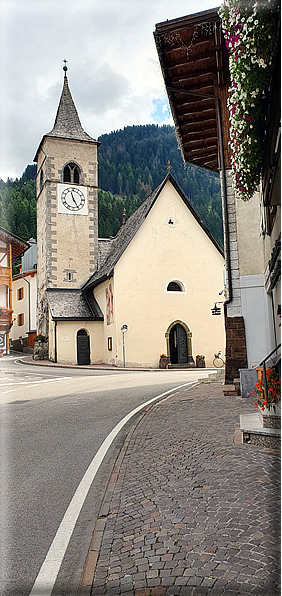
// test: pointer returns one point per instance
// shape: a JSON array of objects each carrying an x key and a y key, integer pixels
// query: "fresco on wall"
[{"x": 109, "y": 305}]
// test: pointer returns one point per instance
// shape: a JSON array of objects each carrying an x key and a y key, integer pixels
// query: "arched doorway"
[
  {"x": 83, "y": 347},
  {"x": 179, "y": 343}
]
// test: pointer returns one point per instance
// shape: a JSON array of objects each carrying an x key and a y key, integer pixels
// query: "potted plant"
[
  {"x": 200, "y": 361},
  {"x": 40, "y": 337},
  {"x": 268, "y": 395},
  {"x": 164, "y": 361}
]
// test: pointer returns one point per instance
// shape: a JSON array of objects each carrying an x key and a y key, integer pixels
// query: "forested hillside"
[{"x": 132, "y": 162}]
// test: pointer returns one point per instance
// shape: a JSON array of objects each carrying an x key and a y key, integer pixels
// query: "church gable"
[
  {"x": 165, "y": 283},
  {"x": 128, "y": 231},
  {"x": 171, "y": 245}
]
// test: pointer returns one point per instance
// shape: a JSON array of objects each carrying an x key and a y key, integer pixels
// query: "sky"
[{"x": 113, "y": 68}]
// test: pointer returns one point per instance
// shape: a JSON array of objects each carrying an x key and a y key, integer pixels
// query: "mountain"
[{"x": 132, "y": 162}]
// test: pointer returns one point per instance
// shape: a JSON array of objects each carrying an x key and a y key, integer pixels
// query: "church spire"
[{"x": 67, "y": 124}]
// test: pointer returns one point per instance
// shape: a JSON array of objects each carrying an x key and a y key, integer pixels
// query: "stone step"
[
  {"x": 254, "y": 433},
  {"x": 215, "y": 377},
  {"x": 230, "y": 390},
  {"x": 182, "y": 365}
]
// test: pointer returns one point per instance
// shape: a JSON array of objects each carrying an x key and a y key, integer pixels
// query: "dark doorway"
[
  {"x": 178, "y": 345},
  {"x": 83, "y": 347}
]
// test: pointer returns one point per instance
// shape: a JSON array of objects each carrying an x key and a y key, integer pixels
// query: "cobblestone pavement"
[{"x": 190, "y": 510}]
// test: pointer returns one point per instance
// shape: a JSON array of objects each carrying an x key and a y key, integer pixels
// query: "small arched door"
[
  {"x": 83, "y": 347},
  {"x": 178, "y": 345}
]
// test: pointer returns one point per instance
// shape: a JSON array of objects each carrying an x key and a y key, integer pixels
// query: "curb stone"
[{"x": 86, "y": 580}]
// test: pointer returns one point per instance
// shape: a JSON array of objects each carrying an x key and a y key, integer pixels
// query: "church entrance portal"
[
  {"x": 180, "y": 345},
  {"x": 83, "y": 347}
]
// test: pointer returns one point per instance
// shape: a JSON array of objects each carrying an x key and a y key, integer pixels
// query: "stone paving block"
[{"x": 193, "y": 505}]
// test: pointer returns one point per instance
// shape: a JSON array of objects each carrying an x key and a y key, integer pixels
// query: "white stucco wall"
[
  {"x": 250, "y": 254},
  {"x": 257, "y": 313},
  {"x": 28, "y": 282},
  {"x": 67, "y": 341},
  {"x": 159, "y": 253}
]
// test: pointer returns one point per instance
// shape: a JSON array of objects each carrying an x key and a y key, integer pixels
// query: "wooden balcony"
[{"x": 5, "y": 319}]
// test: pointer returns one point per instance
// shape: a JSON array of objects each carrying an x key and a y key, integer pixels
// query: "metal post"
[{"x": 123, "y": 329}]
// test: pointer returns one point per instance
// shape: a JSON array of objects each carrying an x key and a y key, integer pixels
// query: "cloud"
[{"x": 114, "y": 72}]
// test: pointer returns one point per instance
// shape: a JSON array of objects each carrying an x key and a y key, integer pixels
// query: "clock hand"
[{"x": 74, "y": 199}]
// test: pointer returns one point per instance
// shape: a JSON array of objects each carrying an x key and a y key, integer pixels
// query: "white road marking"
[
  {"x": 35, "y": 382},
  {"x": 49, "y": 570},
  {"x": 10, "y": 391}
]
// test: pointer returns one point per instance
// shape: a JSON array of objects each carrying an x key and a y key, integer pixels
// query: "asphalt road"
[{"x": 53, "y": 422}]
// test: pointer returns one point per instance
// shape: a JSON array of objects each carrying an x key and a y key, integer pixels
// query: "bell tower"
[{"x": 67, "y": 205}]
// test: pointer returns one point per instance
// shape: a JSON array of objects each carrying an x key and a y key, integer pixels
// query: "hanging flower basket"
[{"x": 249, "y": 30}]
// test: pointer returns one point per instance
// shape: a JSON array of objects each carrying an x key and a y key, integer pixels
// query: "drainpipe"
[
  {"x": 224, "y": 190},
  {"x": 55, "y": 342}
]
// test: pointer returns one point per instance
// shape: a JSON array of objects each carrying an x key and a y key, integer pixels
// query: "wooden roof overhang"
[
  {"x": 194, "y": 62},
  {"x": 18, "y": 245}
]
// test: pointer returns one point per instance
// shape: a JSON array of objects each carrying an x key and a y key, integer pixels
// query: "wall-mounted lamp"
[{"x": 216, "y": 310}]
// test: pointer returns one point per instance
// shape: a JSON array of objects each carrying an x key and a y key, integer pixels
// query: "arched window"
[
  {"x": 71, "y": 173},
  {"x": 41, "y": 179},
  {"x": 174, "y": 286}
]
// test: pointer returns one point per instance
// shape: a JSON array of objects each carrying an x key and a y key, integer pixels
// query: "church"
[{"x": 122, "y": 301}]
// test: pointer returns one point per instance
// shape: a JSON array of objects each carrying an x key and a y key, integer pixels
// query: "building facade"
[
  {"x": 24, "y": 285},
  {"x": 157, "y": 279},
  {"x": 11, "y": 247},
  {"x": 195, "y": 65}
]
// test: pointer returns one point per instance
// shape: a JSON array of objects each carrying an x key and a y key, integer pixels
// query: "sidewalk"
[
  {"x": 28, "y": 359},
  {"x": 189, "y": 509}
]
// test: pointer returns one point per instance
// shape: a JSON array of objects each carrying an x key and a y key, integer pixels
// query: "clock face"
[{"x": 73, "y": 198}]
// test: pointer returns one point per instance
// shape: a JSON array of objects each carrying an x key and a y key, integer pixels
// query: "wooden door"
[
  {"x": 182, "y": 350},
  {"x": 83, "y": 347},
  {"x": 178, "y": 345}
]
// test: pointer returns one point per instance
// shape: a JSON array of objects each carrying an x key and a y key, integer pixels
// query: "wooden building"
[{"x": 11, "y": 247}]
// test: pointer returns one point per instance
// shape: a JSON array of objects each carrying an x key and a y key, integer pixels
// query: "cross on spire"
[
  {"x": 65, "y": 68},
  {"x": 168, "y": 165}
]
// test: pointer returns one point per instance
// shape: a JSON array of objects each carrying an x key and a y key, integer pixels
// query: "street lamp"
[
  {"x": 123, "y": 329},
  {"x": 216, "y": 310}
]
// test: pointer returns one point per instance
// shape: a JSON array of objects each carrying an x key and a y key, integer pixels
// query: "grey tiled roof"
[
  {"x": 67, "y": 304},
  {"x": 129, "y": 229},
  {"x": 104, "y": 245},
  {"x": 67, "y": 124}
]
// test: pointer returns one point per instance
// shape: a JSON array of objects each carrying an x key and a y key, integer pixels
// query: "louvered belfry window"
[
  {"x": 71, "y": 173},
  {"x": 173, "y": 286}
]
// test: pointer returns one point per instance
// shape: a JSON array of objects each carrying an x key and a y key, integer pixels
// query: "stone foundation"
[
  {"x": 236, "y": 350},
  {"x": 41, "y": 350}
]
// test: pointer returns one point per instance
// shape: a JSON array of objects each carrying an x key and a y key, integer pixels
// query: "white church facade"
[{"x": 157, "y": 279}]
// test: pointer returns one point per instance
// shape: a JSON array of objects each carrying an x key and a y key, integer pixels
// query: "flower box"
[
  {"x": 268, "y": 401},
  {"x": 271, "y": 418},
  {"x": 5, "y": 319},
  {"x": 200, "y": 362},
  {"x": 164, "y": 362}
]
